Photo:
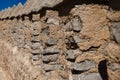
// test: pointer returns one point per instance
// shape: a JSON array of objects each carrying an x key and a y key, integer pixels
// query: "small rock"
[
  {"x": 90, "y": 76},
  {"x": 35, "y": 57},
  {"x": 51, "y": 50},
  {"x": 46, "y": 31},
  {"x": 76, "y": 23},
  {"x": 36, "y": 25},
  {"x": 35, "y": 39},
  {"x": 68, "y": 26},
  {"x": 115, "y": 32},
  {"x": 48, "y": 68},
  {"x": 70, "y": 55},
  {"x": 77, "y": 39},
  {"x": 36, "y": 17},
  {"x": 67, "y": 41},
  {"x": 36, "y": 51},
  {"x": 47, "y": 74},
  {"x": 114, "y": 66},
  {"x": 51, "y": 42},
  {"x": 50, "y": 58},
  {"x": 77, "y": 52},
  {"x": 76, "y": 6},
  {"x": 35, "y": 46},
  {"x": 83, "y": 66},
  {"x": 35, "y": 33},
  {"x": 53, "y": 21},
  {"x": 75, "y": 77}
]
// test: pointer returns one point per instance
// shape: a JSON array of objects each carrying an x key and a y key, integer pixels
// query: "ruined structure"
[{"x": 60, "y": 40}]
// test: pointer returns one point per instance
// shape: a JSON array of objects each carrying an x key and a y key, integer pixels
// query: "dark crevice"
[
  {"x": 76, "y": 72},
  {"x": 47, "y": 71},
  {"x": 92, "y": 48},
  {"x": 11, "y": 18},
  {"x": 22, "y": 17},
  {"x": 30, "y": 17},
  {"x": 46, "y": 62},
  {"x": 114, "y": 4},
  {"x": 71, "y": 44},
  {"x": 102, "y": 67},
  {"x": 71, "y": 60},
  {"x": 18, "y": 17}
]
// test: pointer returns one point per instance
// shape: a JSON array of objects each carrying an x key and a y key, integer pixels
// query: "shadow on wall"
[
  {"x": 65, "y": 7},
  {"x": 102, "y": 67},
  {"x": 115, "y": 4}
]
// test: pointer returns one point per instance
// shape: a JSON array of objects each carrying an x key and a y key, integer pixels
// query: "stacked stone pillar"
[{"x": 35, "y": 47}]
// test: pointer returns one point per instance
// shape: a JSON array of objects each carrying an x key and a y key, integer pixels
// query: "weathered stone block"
[
  {"x": 114, "y": 66},
  {"x": 35, "y": 57},
  {"x": 115, "y": 32},
  {"x": 36, "y": 17},
  {"x": 68, "y": 26},
  {"x": 51, "y": 42},
  {"x": 50, "y": 58},
  {"x": 36, "y": 25},
  {"x": 36, "y": 51},
  {"x": 52, "y": 67},
  {"x": 35, "y": 46},
  {"x": 51, "y": 50},
  {"x": 77, "y": 39},
  {"x": 75, "y": 77},
  {"x": 35, "y": 39},
  {"x": 26, "y": 18},
  {"x": 53, "y": 21},
  {"x": 83, "y": 66},
  {"x": 90, "y": 76},
  {"x": 36, "y": 33},
  {"x": 70, "y": 55},
  {"x": 77, "y": 25}
]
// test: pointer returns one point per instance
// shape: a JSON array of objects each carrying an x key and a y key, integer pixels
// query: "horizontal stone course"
[{"x": 83, "y": 66}]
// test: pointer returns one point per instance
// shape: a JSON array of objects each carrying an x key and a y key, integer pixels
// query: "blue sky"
[{"x": 9, "y": 3}]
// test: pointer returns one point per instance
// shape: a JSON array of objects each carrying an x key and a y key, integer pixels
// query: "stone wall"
[{"x": 82, "y": 45}]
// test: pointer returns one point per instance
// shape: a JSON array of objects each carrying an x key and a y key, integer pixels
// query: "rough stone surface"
[
  {"x": 51, "y": 42},
  {"x": 36, "y": 17},
  {"x": 91, "y": 31},
  {"x": 36, "y": 51},
  {"x": 35, "y": 46},
  {"x": 52, "y": 67},
  {"x": 115, "y": 32},
  {"x": 50, "y": 58},
  {"x": 83, "y": 66},
  {"x": 35, "y": 57},
  {"x": 35, "y": 39},
  {"x": 51, "y": 50},
  {"x": 53, "y": 21},
  {"x": 36, "y": 33},
  {"x": 90, "y": 76},
  {"x": 114, "y": 66},
  {"x": 70, "y": 55},
  {"x": 77, "y": 25}
]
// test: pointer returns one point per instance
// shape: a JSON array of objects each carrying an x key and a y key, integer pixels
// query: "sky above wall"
[{"x": 9, "y": 3}]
